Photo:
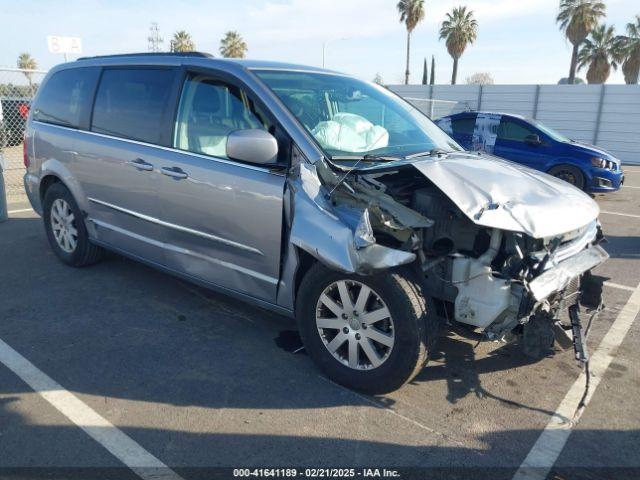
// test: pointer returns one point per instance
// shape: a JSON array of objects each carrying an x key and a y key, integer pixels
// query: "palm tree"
[
  {"x": 631, "y": 49},
  {"x": 233, "y": 46},
  {"x": 26, "y": 62},
  {"x": 600, "y": 52},
  {"x": 577, "y": 18},
  {"x": 459, "y": 29},
  {"x": 182, "y": 42},
  {"x": 411, "y": 13}
]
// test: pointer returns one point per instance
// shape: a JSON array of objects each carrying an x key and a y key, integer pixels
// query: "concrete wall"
[{"x": 604, "y": 115}]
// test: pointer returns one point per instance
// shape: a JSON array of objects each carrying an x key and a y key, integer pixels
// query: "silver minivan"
[{"x": 313, "y": 194}]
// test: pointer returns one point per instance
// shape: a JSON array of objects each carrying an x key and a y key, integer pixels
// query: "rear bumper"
[
  {"x": 558, "y": 277},
  {"x": 31, "y": 186}
]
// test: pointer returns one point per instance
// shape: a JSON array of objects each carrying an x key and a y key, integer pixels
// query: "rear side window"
[
  {"x": 131, "y": 103},
  {"x": 66, "y": 97}
]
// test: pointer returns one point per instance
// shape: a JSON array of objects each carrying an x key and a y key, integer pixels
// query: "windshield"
[
  {"x": 351, "y": 119},
  {"x": 558, "y": 137}
]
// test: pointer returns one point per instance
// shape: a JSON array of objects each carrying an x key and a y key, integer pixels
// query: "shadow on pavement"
[
  {"x": 214, "y": 455},
  {"x": 623, "y": 246}
]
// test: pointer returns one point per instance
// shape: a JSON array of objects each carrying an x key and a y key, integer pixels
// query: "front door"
[
  {"x": 511, "y": 144},
  {"x": 222, "y": 219}
]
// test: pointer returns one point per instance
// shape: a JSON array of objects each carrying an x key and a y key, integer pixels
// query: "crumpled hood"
[{"x": 496, "y": 193}]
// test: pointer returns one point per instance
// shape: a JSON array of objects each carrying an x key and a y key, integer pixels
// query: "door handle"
[
  {"x": 174, "y": 172},
  {"x": 140, "y": 164}
]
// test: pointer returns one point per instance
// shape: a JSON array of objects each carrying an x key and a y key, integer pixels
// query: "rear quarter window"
[
  {"x": 131, "y": 103},
  {"x": 65, "y": 99}
]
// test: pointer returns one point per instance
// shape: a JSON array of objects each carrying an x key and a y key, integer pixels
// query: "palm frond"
[
  {"x": 411, "y": 13},
  {"x": 579, "y": 17},
  {"x": 601, "y": 52},
  {"x": 459, "y": 29},
  {"x": 233, "y": 46}
]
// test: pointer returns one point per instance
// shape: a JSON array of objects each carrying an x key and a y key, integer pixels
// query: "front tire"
[
  {"x": 569, "y": 174},
  {"x": 66, "y": 231},
  {"x": 371, "y": 333}
]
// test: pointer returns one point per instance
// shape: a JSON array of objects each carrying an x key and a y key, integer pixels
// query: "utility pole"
[{"x": 154, "y": 38}]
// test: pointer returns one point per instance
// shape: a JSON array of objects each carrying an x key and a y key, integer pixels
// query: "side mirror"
[
  {"x": 532, "y": 139},
  {"x": 253, "y": 146}
]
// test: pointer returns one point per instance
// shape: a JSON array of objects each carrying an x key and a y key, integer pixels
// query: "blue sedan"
[{"x": 530, "y": 143}]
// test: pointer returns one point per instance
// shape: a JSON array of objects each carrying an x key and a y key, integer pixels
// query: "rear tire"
[
  {"x": 569, "y": 174},
  {"x": 408, "y": 335},
  {"x": 66, "y": 230}
]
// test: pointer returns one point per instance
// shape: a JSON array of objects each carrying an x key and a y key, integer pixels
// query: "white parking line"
[
  {"x": 553, "y": 438},
  {"x": 620, "y": 214},
  {"x": 621, "y": 287},
  {"x": 97, "y": 427},
  {"x": 22, "y": 210}
]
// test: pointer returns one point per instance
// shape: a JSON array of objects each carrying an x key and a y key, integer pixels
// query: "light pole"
[{"x": 326, "y": 43}]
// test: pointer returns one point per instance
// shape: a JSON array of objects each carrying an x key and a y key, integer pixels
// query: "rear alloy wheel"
[
  {"x": 370, "y": 333},
  {"x": 65, "y": 228},
  {"x": 569, "y": 174},
  {"x": 63, "y": 224}
]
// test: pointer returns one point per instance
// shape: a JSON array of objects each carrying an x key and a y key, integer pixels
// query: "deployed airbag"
[{"x": 349, "y": 132}]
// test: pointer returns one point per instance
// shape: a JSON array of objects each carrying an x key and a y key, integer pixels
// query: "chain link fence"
[{"x": 17, "y": 89}]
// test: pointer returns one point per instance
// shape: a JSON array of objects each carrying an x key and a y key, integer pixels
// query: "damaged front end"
[
  {"x": 489, "y": 258},
  {"x": 335, "y": 222}
]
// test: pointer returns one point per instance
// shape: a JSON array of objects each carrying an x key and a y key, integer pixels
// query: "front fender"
[{"x": 318, "y": 229}]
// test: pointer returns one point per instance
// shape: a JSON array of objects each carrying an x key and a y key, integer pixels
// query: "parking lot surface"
[{"x": 194, "y": 379}]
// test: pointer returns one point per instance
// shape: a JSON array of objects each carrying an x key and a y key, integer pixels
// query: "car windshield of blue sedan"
[
  {"x": 352, "y": 119},
  {"x": 558, "y": 137}
]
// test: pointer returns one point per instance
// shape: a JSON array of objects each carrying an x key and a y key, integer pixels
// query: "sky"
[{"x": 518, "y": 40}]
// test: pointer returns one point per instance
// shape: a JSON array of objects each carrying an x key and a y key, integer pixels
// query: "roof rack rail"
[{"x": 152, "y": 54}]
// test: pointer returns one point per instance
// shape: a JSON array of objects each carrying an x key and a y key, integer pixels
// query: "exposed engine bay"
[{"x": 496, "y": 279}]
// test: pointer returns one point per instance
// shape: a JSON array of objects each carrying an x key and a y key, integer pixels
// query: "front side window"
[
  {"x": 209, "y": 111},
  {"x": 65, "y": 96},
  {"x": 131, "y": 103},
  {"x": 557, "y": 136},
  {"x": 513, "y": 131},
  {"x": 350, "y": 118}
]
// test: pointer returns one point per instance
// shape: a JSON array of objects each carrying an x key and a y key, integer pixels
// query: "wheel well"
[{"x": 45, "y": 183}]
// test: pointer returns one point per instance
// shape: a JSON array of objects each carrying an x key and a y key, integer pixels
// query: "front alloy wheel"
[
  {"x": 370, "y": 333},
  {"x": 355, "y": 324}
]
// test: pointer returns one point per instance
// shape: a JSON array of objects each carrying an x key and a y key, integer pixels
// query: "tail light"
[
  {"x": 23, "y": 109},
  {"x": 25, "y": 156}
]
